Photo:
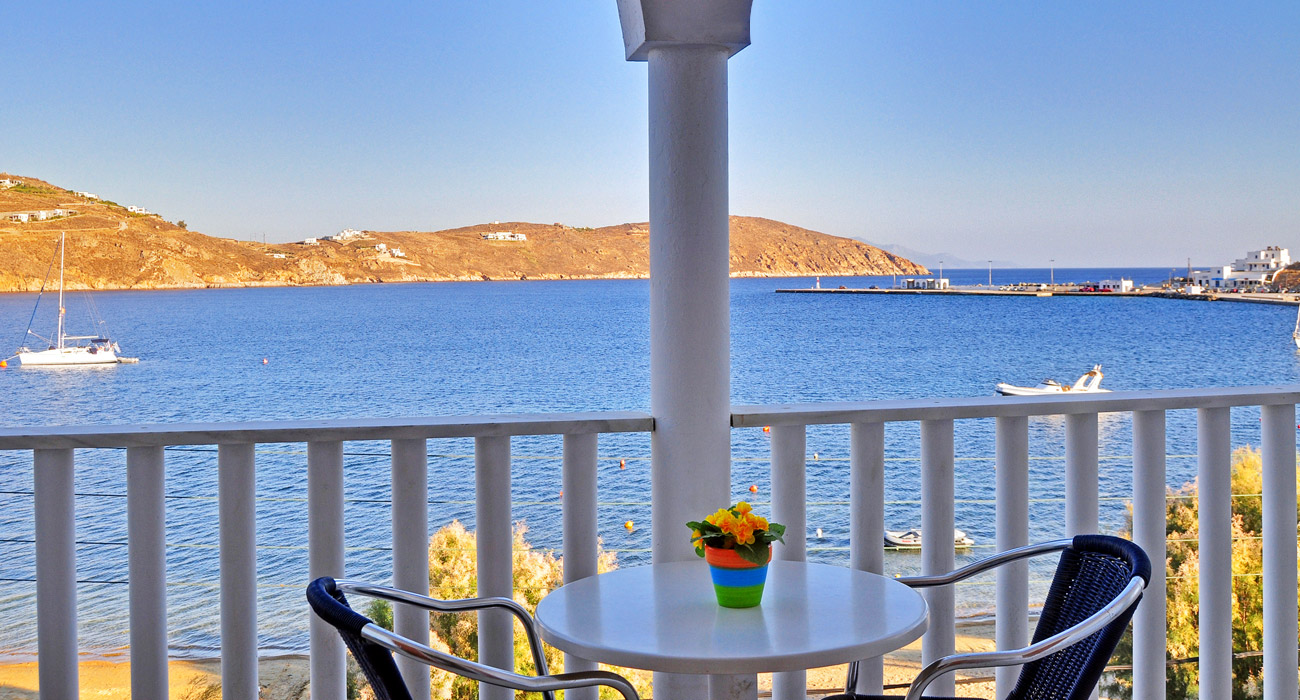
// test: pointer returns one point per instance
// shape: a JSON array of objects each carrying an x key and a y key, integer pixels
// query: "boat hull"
[
  {"x": 1012, "y": 390},
  {"x": 67, "y": 357}
]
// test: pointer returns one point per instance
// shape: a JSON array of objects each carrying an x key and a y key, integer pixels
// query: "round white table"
[{"x": 664, "y": 617}]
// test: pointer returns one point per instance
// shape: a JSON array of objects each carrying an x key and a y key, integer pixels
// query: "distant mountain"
[
  {"x": 113, "y": 247},
  {"x": 933, "y": 260}
]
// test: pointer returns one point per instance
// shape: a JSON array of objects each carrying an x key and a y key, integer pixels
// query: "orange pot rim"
[{"x": 730, "y": 559}]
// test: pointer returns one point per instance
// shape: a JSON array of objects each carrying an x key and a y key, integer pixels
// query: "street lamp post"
[
  {"x": 1053, "y": 272},
  {"x": 990, "y": 273}
]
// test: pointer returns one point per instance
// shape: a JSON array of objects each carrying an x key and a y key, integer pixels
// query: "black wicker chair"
[
  {"x": 372, "y": 646},
  {"x": 1097, "y": 586}
]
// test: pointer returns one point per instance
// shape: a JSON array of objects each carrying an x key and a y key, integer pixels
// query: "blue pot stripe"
[{"x": 739, "y": 578}]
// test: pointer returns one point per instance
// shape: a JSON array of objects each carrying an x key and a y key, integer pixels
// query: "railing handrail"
[
  {"x": 339, "y": 429},
  {"x": 1008, "y": 406}
]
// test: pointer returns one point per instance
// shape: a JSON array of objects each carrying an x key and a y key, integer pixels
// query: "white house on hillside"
[
  {"x": 505, "y": 236},
  {"x": 1255, "y": 270}
]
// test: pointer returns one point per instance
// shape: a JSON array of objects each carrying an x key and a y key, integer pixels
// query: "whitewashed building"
[
  {"x": 505, "y": 236},
  {"x": 1257, "y": 269},
  {"x": 7, "y": 183},
  {"x": 87, "y": 195},
  {"x": 1119, "y": 285},
  {"x": 141, "y": 211},
  {"x": 925, "y": 283},
  {"x": 310, "y": 241}
]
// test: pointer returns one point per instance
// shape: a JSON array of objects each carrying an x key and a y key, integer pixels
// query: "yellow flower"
[{"x": 743, "y": 508}]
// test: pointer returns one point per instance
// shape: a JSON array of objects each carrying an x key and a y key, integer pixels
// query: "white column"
[
  {"x": 238, "y": 524},
  {"x": 1011, "y": 484},
  {"x": 328, "y": 665},
  {"x": 1214, "y": 521},
  {"x": 147, "y": 561},
  {"x": 580, "y": 537},
  {"x": 689, "y": 321},
  {"x": 411, "y": 552},
  {"x": 495, "y": 558},
  {"x": 790, "y": 508},
  {"x": 1080, "y": 474},
  {"x": 867, "y": 523},
  {"x": 1149, "y": 510},
  {"x": 56, "y": 574},
  {"x": 1278, "y": 450},
  {"x": 690, "y": 361},
  {"x": 937, "y": 545},
  {"x": 738, "y": 687}
]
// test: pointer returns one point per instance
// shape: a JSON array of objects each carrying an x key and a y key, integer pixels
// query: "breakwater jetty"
[{"x": 1276, "y": 298}]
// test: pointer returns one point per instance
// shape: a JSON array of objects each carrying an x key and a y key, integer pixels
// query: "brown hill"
[{"x": 110, "y": 247}]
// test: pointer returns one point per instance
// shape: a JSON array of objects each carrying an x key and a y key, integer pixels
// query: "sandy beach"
[{"x": 285, "y": 677}]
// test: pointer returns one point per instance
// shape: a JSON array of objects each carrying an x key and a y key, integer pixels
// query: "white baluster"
[
  {"x": 790, "y": 508},
  {"x": 495, "y": 561},
  {"x": 580, "y": 537},
  {"x": 1214, "y": 521},
  {"x": 328, "y": 665},
  {"x": 147, "y": 561},
  {"x": 1081, "y": 474},
  {"x": 56, "y": 573},
  {"x": 410, "y": 466},
  {"x": 867, "y": 523},
  {"x": 1280, "y": 628},
  {"x": 1149, "y": 624},
  {"x": 238, "y": 524},
  {"x": 937, "y": 544},
  {"x": 1011, "y": 484}
]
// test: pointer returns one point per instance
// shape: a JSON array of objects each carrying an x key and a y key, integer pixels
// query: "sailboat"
[
  {"x": 1295, "y": 334},
  {"x": 64, "y": 349}
]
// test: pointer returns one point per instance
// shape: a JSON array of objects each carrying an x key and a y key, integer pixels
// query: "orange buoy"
[
  {"x": 622, "y": 464},
  {"x": 767, "y": 428},
  {"x": 628, "y": 525},
  {"x": 753, "y": 488},
  {"x": 561, "y": 493},
  {"x": 266, "y": 361},
  {"x": 5, "y": 363}
]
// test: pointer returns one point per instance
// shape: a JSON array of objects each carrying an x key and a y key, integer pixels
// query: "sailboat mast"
[{"x": 62, "y": 245}]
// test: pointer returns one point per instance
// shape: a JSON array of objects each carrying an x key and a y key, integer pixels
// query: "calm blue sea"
[{"x": 457, "y": 348}]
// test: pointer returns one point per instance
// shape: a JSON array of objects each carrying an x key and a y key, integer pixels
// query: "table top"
[{"x": 664, "y": 617}]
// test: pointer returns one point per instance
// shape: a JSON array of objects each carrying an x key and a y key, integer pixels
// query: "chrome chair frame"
[
  {"x": 544, "y": 682},
  {"x": 989, "y": 659}
]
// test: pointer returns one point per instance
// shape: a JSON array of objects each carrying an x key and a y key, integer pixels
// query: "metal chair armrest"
[
  {"x": 983, "y": 565},
  {"x": 963, "y": 573},
  {"x": 1073, "y": 635},
  {"x": 489, "y": 674},
  {"x": 398, "y": 595}
]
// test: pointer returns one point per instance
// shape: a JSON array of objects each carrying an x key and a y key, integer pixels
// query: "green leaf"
[{"x": 754, "y": 553}]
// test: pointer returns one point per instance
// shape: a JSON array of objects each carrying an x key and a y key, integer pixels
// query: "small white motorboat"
[
  {"x": 911, "y": 539},
  {"x": 1090, "y": 382}
]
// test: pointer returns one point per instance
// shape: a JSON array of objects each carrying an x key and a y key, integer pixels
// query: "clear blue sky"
[{"x": 1093, "y": 133}]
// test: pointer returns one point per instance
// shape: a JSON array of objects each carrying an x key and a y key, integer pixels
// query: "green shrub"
[{"x": 1182, "y": 568}]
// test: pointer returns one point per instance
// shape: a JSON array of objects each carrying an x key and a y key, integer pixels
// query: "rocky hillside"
[{"x": 110, "y": 247}]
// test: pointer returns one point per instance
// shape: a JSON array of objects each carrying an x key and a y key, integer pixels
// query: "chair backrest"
[
  {"x": 1092, "y": 572},
  {"x": 376, "y": 661}
]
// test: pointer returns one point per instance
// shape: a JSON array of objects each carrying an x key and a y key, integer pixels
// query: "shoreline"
[
  {"x": 285, "y": 677},
  {"x": 1273, "y": 298}
]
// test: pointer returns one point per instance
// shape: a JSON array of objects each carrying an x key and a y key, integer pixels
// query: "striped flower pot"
[{"x": 737, "y": 583}]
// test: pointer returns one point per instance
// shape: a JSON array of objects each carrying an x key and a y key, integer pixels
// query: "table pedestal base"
[{"x": 738, "y": 687}]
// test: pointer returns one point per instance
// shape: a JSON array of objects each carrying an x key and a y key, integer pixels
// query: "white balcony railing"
[{"x": 55, "y": 520}]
